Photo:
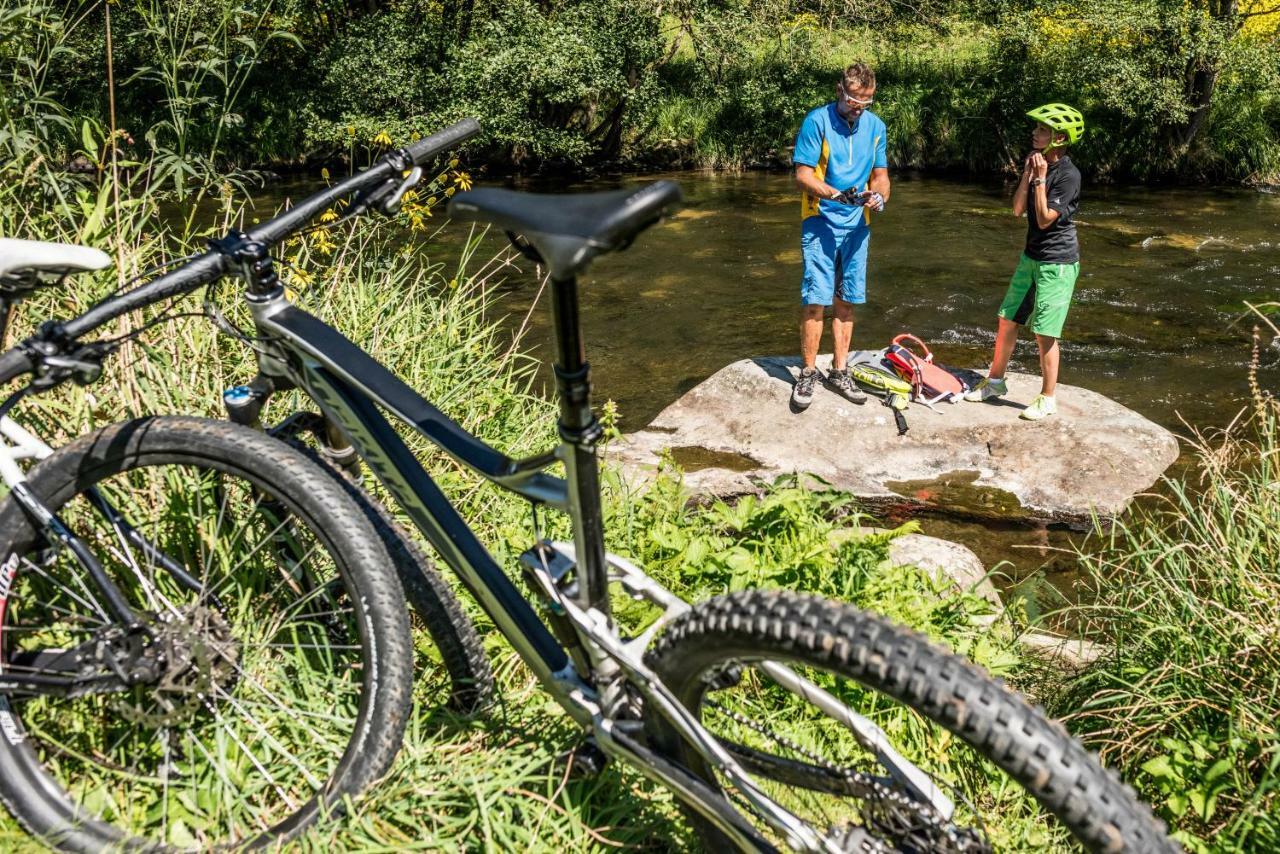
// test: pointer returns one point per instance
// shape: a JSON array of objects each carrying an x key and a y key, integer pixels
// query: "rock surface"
[
  {"x": 972, "y": 459},
  {"x": 957, "y": 562}
]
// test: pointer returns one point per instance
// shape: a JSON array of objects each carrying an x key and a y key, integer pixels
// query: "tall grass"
[
  {"x": 746, "y": 108},
  {"x": 1188, "y": 703}
]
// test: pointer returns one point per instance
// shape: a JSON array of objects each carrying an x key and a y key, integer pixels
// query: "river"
[{"x": 1159, "y": 322}]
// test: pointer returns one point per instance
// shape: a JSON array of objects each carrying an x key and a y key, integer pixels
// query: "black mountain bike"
[{"x": 760, "y": 710}]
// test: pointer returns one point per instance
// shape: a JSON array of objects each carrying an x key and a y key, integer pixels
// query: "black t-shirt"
[{"x": 1056, "y": 244}]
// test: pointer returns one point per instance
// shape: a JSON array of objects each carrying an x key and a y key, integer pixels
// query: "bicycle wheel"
[
  {"x": 460, "y": 653},
  {"x": 270, "y": 675},
  {"x": 969, "y": 733}
]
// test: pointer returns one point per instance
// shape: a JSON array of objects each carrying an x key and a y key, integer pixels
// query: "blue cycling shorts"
[{"x": 835, "y": 261}]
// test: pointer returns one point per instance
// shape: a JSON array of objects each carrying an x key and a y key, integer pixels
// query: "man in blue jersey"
[{"x": 843, "y": 172}]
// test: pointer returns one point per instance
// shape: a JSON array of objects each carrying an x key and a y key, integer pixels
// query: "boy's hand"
[{"x": 1039, "y": 166}]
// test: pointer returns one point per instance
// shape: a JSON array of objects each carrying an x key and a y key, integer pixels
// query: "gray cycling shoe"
[
  {"x": 802, "y": 392},
  {"x": 842, "y": 384}
]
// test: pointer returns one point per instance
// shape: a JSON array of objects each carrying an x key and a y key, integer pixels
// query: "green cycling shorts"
[{"x": 1040, "y": 294}]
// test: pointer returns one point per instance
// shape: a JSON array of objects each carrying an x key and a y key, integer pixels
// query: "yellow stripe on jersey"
[{"x": 809, "y": 203}]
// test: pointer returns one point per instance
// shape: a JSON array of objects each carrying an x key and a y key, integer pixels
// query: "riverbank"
[
  {"x": 434, "y": 323},
  {"x": 567, "y": 85}
]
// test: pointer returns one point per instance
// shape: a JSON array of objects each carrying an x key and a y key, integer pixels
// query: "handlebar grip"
[
  {"x": 14, "y": 363},
  {"x": 429, "y": 146}
]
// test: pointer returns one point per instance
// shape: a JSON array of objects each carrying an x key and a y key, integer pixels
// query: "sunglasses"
[{"x": 855, "y": 102}]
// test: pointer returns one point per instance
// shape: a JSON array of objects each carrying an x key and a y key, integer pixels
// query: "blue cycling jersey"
[{"x": 843, "y": 155}]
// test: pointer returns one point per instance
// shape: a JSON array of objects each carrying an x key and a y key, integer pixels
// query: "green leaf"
[
  {"x": 1159, "y": 767},
  {"x": 1217, "y": 769},
  {"x": 1177, "y": 804},
  {"x": 697, "y": 551},
  {"x": 1197, "y": 801}
]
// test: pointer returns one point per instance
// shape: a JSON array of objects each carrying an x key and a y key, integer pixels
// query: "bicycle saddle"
[
  {"x": 21, "y": 261},
  {"x": 566, "y": 232}
]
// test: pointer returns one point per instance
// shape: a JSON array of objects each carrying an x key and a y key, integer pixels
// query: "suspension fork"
[{"x": 244, "y": 405}]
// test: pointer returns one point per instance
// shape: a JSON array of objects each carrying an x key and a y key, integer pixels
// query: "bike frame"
[{"x": 581, "y": 658}]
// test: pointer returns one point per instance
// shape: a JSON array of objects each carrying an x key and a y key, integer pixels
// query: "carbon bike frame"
[{"x": 580, "y": 659}]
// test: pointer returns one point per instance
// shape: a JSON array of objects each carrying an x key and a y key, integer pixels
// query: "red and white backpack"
[{"x": 930, "y": 383}]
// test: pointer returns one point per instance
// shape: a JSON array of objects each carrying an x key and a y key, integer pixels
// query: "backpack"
[
  {"x": 868, "y": 369},
  {"x": 930, "y": 383}
]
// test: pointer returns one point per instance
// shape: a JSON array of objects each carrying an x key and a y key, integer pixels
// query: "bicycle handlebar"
[
  {"x": 212, "y": 265},
  {"x": 14, "y": 363}
]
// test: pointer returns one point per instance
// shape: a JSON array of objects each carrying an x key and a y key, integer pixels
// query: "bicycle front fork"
[{"x": 244, "y": 405}]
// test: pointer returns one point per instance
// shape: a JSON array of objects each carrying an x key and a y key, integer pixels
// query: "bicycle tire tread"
[{"x": 1092, "y": 802}]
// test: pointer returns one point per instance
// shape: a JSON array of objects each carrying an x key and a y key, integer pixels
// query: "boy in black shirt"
[{"x": 1041, "y": 288}]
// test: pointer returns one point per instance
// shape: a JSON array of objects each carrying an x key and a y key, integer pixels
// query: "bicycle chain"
[{"x": 893, "y": 814}]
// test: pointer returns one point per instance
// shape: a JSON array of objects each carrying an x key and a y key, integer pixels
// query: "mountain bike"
[
  {"x": 759, "y": 710},
  {"x": 203, "y": 642}
]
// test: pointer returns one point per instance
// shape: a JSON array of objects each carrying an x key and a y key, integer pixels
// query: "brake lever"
[
  {"x": 391, "y": 206},
  {"x": 83, "y": 366}
]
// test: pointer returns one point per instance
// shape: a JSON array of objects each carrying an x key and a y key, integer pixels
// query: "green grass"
[{"x": 1187, "y": 704}]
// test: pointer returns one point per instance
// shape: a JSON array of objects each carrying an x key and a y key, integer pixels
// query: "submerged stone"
[{"x": 736, "y": 428}]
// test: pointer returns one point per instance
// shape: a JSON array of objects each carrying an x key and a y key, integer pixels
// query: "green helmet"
[{"x": 1061, "y": 118}]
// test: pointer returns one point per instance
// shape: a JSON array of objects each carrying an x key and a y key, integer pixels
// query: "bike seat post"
[{"x": 579, "y": 432}]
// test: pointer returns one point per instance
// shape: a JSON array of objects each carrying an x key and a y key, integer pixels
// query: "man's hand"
[
  {"x": 872, "y": 199},
  {"x": 1039, "y": 166}
]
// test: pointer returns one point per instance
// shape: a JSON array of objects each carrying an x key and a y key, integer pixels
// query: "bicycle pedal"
[{"x": 584, "y": 761}]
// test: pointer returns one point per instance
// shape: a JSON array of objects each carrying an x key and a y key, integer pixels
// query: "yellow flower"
[
  {"x": 329, "y": 216},
  {"x": 453, "y": 283},
  {"x": 299, "y": 278},
  {"x": 383, "y": 138},
  {"x": 410, "y": 196},
  {"x": 351, "y": 130},
  {"x": 324, "y": 173},
  {"x": 449, "y": 192},
  {"x": 321, "y": 242},
  {"x": 463, "y": 180}
]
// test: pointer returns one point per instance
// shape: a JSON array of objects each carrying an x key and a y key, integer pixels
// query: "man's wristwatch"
[{"x": 1036, "y": 182}]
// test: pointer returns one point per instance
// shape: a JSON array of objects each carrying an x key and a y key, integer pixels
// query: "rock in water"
[{"x": 976, "y": 459}]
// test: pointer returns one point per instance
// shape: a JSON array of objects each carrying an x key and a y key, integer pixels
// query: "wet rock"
[{"x": 969, "y": 459}]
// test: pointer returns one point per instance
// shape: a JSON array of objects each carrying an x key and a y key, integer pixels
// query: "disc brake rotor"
[{"x": 199, "y": 657}]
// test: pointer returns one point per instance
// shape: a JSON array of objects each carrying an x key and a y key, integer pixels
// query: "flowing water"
[{"x": 1159, "y": 322}]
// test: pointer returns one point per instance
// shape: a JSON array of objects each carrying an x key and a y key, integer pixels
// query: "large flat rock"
[{"x": 979, "y": 459}]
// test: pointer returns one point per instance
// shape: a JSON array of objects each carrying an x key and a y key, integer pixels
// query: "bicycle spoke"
[{"x": 92, "y": 607}]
